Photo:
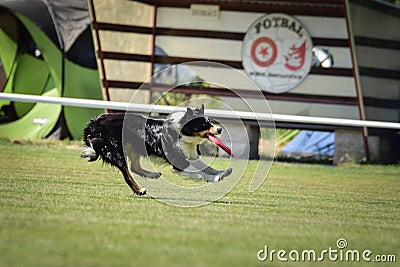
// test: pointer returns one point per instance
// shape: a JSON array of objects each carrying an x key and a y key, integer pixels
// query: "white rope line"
[{"x": 227, "y": 114}]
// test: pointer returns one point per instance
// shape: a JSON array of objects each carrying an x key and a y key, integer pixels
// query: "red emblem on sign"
[
  {"x": 263, "y": 51},
  {"x": 296, "y": 56}
]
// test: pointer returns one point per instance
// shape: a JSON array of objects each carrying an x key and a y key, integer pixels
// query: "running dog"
[{"x": 121, "y": 139}]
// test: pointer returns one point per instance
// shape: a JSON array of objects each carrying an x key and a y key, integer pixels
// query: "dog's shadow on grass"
[{"x": 198, "y": 202}]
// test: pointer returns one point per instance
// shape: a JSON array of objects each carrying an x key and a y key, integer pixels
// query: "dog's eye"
[{"x": 211, "y": 121}]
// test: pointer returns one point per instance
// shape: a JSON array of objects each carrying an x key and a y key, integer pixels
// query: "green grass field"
[{"x": 59, "y": 210}]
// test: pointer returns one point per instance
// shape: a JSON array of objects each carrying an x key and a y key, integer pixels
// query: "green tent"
[{"x": 46, "y": 48}]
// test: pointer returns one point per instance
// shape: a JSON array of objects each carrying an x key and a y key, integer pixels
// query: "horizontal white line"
[{"x": 147, "y": 108}]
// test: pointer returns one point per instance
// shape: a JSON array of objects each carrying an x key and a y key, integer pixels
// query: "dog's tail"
[{"x": 89, "y": 151}]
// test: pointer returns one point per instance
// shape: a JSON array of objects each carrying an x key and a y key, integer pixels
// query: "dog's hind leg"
[
  {"x": 129, "y": 180},
  {"x": 134, "y": 159}
]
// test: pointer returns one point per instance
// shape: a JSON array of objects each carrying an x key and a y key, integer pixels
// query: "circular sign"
[{"x": 277, "y": 52}]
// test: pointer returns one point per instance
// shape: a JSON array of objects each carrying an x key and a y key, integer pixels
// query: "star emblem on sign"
[{"x": 263, "y": 51}]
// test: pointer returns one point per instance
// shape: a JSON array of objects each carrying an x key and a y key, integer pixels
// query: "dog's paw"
[
  {"x": 224, "y": 174},
  {"x": 142, "y": 191},
  {"x": 227, "y": 172}
]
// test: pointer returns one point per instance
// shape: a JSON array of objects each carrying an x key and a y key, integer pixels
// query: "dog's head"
[{"x": 195, "y": 123}]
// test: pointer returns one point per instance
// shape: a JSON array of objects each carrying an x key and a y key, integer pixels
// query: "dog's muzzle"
[{"x": 215, "y": 130}]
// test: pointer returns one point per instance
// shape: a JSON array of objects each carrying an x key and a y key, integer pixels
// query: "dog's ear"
[
  {"x": 189, "y": 112},
  {"x": 201, "y": 109}
]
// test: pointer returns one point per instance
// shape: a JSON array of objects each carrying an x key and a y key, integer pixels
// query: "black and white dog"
[{"x": 122, "y": 139}]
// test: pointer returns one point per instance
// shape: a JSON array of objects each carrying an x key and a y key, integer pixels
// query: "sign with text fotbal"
[{"x": 277, "y": 52}]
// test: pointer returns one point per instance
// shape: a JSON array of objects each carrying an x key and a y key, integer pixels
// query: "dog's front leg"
[
  {"x": 200, "y": 170},
  {"x": 200, "y": 165},
  {"x": 194, "y": 173}
]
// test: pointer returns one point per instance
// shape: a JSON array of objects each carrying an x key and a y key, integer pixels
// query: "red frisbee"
[{"x": 219, "y": 143}]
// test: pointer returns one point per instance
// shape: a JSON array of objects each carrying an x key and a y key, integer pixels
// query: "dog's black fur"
[{"x": 121, "y": 139}]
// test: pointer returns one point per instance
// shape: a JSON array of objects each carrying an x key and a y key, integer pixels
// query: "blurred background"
[{"x": 108, "y": 49}]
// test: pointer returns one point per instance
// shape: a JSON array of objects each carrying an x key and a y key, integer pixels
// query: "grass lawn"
[{"x": 59, "y": 210}]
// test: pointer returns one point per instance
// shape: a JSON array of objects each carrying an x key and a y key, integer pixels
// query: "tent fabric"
[
  {"x": 50, "y": 39},
  {"x": 36, "y": 11},
  {"x": 310, "y": 144},
  {"x": 71, "y": 19},
  {"x": 62, "y": 21},
  {"x": 37, "y": 123}
]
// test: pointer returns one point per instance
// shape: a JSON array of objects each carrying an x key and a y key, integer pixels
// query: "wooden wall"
[{"x": 377, "y": 37}]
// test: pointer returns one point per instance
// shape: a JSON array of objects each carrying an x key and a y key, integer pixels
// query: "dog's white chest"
[{"x": 188, "y": 146}]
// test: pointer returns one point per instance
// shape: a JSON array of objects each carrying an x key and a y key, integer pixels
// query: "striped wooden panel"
[{"x": 378, "y": 51}]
